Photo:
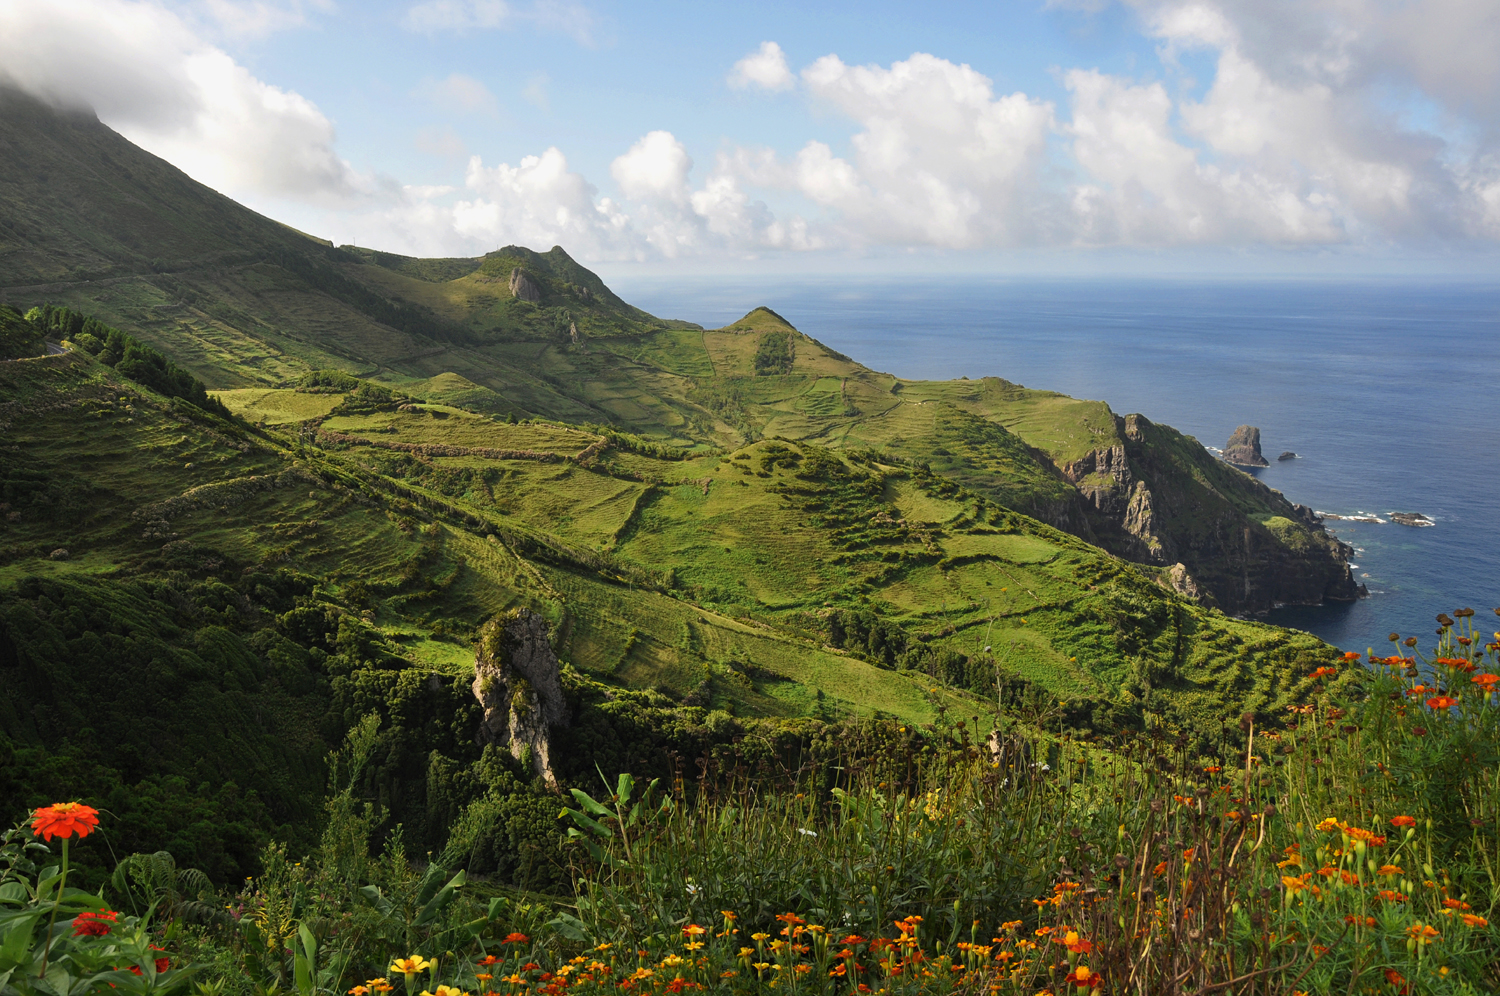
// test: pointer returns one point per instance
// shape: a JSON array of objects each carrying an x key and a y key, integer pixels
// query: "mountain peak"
[{"x": 760, "y": 319}]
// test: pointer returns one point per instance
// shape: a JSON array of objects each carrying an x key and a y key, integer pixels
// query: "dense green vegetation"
[{"x": 127, "y": 354}]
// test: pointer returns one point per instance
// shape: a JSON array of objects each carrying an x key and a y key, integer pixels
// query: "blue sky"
[{"x": 1080, "y": 136}]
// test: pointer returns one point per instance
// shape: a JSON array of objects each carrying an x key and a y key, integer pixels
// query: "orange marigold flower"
[
  {"x": 693, "y": 930},
  {"x": 486, "y": 961},
  {"x": 64, "y": 819},
  {"x": 1351, "y": 656},
  {"x": 514, "y": 938},
  {"x": 1389, "y": 870},
  {"x": 1376, "y": 841},
  {"x": 1160, "y": 868},
  {"x": 1475, "y": 921},
  {"x": 1083, "y": 978},
  {"x": 1456, "y": 904},
  {"x": 1391, "y": 896},
  {"x": 1403, "y": 821},
  {"x": 89, "y": 924},
  {"x": 1395, "y": 978},
  {"x": 1485, "y": 681},
  {"x": 1329, "y": 824},
  {"x": 1441, "y": 702}
]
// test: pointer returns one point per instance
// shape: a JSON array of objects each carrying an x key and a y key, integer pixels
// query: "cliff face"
[
  {"x": 516, "y": 679},
  {"x": 1160, "y": 498}
]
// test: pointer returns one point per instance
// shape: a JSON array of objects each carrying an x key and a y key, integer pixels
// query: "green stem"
[{"x": 61, "y": 882}]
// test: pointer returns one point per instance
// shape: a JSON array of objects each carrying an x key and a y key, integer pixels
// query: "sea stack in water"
[
  {"x": 1243, "y": 448},
  {"x": 1288, "y": 455}
]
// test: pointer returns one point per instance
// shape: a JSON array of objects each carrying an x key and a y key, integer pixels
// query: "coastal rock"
[
  {"x": 516, "y": 680},
  {"x": 1288, "y": 455},
  {"x": 1243, "y": 448},
  {"x": 523, "y": 287},
  {"x": 1415, "y": 519}
]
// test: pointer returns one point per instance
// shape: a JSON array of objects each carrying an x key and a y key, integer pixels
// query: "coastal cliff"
[{"x": 1159, "y": 498}]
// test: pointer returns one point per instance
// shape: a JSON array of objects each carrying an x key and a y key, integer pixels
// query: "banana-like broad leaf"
[
  {"x": 440, "y": 899},
  {"x": 587, "y": 802}
]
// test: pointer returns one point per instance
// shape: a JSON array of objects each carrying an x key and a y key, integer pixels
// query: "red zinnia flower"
[
  {"x": 64, "y": 819},
  {"x": 94, "y": 924}
]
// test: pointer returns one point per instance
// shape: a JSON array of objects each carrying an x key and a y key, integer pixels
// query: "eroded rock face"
[
  {"x": 523, "y": 287},
  {"x": 516, "y": 680},
  {"x": 1161, "y": 498},
  {"x": 1243, "y": 448}
]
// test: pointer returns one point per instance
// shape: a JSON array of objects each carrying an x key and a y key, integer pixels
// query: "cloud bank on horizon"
[{"x": 1339, "y": 123}]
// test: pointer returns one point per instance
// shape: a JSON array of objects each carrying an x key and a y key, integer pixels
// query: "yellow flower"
[
  {"x": 445, "y": 991},
  {"x": 759, "y": 937},
  {"x": 410, "y": 966},
  {"x": 1329, "y": 825},
  {"x": 746, "y": 952}
]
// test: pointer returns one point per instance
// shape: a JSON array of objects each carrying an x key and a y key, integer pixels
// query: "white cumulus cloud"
[
  {"x": 151, "y": 77},
  {"x": 766, "y": 68}
]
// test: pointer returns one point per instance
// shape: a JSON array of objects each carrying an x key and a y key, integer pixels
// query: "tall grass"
[{"x": 1353, "y": 848}]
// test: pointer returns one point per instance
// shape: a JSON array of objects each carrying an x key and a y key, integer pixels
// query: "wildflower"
[
  {"x": 1389, "y": 870},
  {"x": 759, "y": 937},
  {"x": 89, "y": 924},
  {"x": 514, "y": 938},
  {"x": 483, "y": 976},
  {"x": 1369, "y": 920},
  {"x": 693, "y": 930},
  {"x": 1076, "y": 944},
  {"x": 807, "y": 833},
  {"x": 360, "y": 991},
  {"x": 445, "y": 991},
  {"x": 1329, "y": 825},
  {"x": 1422, "y": 934},
  {"x": 1324, "y": 672},
  {"x": 1391, "y": 896},
  {"x": 410, "y": 966},
  {"x": 1083, "y": 978},
  {"x": 1472, "y": 920},
  {"x": 1485, "y": 681},
  {"x": 1294, "y": 883},
  {"x": 379, "y": 985},
  {"x": 1351, "y": 656},
  {"x": 64, "y": 819},
  {"x": 1441, "y": 702},
  {"x": 1160, "y": 868},
  {"x": 1403, "y": 821},
  {"x": 1376, "y": 840},
  {"x": 1395, "y": 978},
  {"x": 1456, "y": 904}
]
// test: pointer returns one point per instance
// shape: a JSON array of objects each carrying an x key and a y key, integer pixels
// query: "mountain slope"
[{"x": 90, "y": 221}]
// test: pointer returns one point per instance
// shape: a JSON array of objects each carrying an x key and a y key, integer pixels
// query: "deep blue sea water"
[{"x": 1389, "y": 391}]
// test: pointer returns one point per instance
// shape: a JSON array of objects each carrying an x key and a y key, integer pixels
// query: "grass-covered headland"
[{"x": 1352, "y": 847}]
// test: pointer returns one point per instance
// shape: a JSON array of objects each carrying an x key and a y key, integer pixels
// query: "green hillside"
[
  {"x": 246, "y": 588},
  {"x": 240, "y": 302}
]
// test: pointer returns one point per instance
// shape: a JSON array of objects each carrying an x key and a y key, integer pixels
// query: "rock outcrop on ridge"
[
  {"x": 523, "y": 287},
  {"x": 1243, "y": 448},
  {"x": 516, "y": 680}
]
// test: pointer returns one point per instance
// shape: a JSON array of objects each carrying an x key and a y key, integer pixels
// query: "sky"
[{"x": 1066, "y": 136}]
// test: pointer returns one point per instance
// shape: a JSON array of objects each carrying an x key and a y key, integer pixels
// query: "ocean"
[{"x": 1389, "y": 392}]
